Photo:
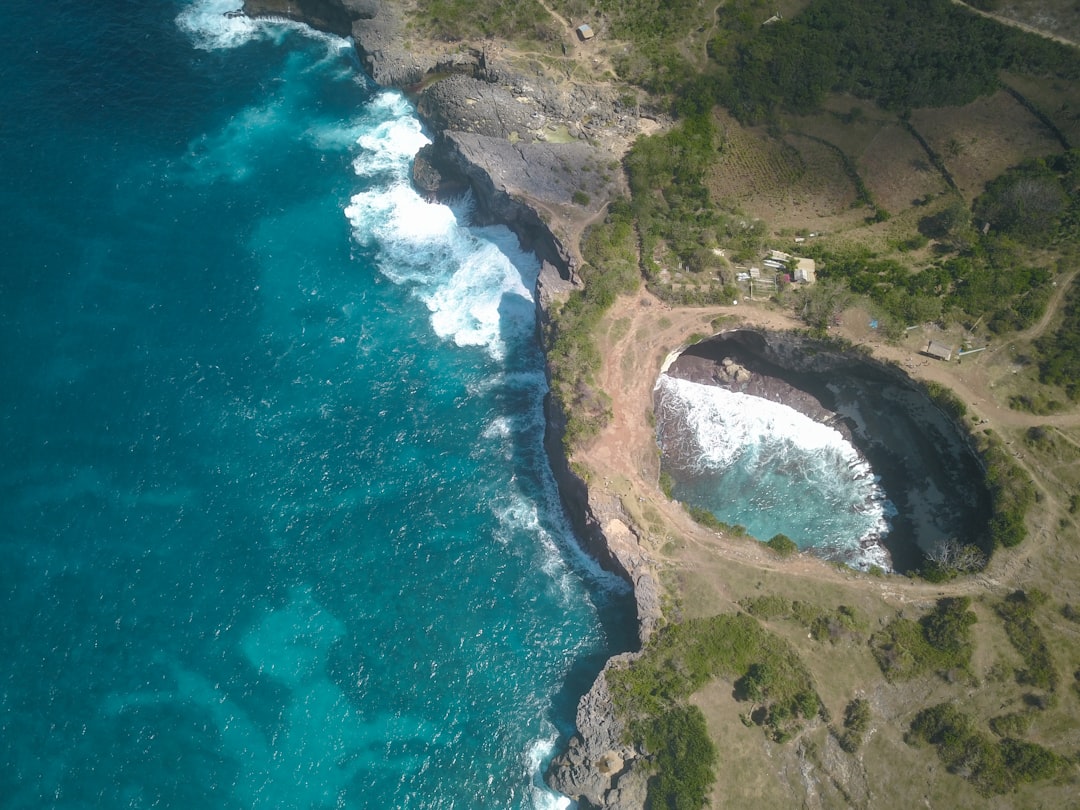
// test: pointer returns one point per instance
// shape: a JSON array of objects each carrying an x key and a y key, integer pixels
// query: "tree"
[
  {"x": 951, "y": 554},
  {"x": 823, "y": 301}
]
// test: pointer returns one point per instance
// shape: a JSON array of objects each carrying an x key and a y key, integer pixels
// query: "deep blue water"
[{"x": 278, "y": 529}]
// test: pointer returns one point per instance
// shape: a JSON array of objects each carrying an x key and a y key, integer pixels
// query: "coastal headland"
[{"x": 540, "y": 152}]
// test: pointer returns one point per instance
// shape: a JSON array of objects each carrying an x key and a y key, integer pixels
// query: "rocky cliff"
[{"x": 537, "y": 156}]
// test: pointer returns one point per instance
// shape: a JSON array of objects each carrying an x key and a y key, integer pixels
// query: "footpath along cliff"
[{"x": 539, "y": 154}]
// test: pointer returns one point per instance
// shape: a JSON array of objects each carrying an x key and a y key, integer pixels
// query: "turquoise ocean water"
[
  {"x": 765, "y": 466},
  {"x": 278, "y": 528}
]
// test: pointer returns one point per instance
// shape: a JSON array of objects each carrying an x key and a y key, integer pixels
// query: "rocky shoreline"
[
  {"x": 521, "y": 144},
  {"x": 922, "y": 457}
]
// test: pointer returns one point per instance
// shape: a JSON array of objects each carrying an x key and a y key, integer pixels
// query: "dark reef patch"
[{"x": 924, "y": 460}]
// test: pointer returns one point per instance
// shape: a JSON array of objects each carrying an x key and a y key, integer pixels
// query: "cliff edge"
[{"x": 540, "y": 154}]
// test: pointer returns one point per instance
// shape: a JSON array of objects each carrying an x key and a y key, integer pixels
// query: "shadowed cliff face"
[
  {"x": 925, "y": 463},
  {"x": 326, "y": 15}
]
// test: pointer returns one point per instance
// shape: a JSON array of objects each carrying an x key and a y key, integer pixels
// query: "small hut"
[
  {"x": 585, "y": 32},
  {"x": 805, "y": 270},
  {"x": 941, "y": 351}
]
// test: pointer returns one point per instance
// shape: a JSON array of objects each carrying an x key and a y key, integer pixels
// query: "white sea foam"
[
  {"x": 206, "y": 23},
  {"x": 543, "y": 798},
  {"x": 389, "y": 145},
  {"x": 707, "y": 429},
  {"x": 477, "y": 282},
  {"x": 726, "y": 425}
]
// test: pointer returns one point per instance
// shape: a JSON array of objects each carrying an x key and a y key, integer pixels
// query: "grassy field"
[
  {"x": 890, "y": 161},
  {"x": 978, "y": 141},
  {"x": 1058, "y": 100}
]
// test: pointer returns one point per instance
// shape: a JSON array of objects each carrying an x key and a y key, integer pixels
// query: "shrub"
[
  {"x": 667, "y": 485},
  {"x": 711, "y": 521},
  {"x": 783, "y": 545},
  {"x": 683, "y": 757},
  {"x": 1017, "y": 610},
  {"x": 856, "y": 724},
  {"x": 940, "y": 641},
  {"x": 1014, "y": 724},
  {"x": 992, "y": 767},
  {"x": 823, "y": 624},
  {"x": 1011, "y": 492}
]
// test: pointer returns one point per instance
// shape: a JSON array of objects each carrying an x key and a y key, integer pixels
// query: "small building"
[
  {"x": 806, "y": 271},
  {"x": 585, "y": 32},
  {"x": 941, "y": 351}
]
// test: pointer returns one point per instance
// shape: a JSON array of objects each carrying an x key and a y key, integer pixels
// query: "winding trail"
[{"x": 1017, "y": 24}]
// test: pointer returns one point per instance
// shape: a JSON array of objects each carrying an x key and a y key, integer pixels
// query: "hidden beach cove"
[{"x": 525, "y": 148}]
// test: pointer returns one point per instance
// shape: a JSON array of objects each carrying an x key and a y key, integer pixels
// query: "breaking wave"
[{"x": 768, "y": 467}]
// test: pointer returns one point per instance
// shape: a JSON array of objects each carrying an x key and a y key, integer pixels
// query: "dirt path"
[
  {"x": 1053, "y": 307},
  {"x": 641, "y": 331},
  {"x": 1017, "y": 24}
]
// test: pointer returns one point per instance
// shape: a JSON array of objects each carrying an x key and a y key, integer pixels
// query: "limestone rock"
[{"x": 598, "y": 768}]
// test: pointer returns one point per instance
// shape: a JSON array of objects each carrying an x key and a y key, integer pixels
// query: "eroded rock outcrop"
[{"x": 333, "y": 16}]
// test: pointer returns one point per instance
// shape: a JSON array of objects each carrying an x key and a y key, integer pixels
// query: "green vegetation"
[
  {"x": 1017, "y": 611},
  {"x": 679, "y": 225},
  {"x": 1059, "y": 351},
  {"x": 711, "y": 521},
  {"x": 901, "y": 54},
  {"x": 657, "y": 61},
  {"x": 1014, "y": 724},
  {"x": 667, "y": 485},
  {"x": 824, "y": 624},
  {"x": 1011, "y": 491},
  {"x": 650, "y": 696},
  {"x": 683, "y": 758},
  {"x": 856, "y": 724},
  {"x": 1031, "y": 202},
  {"x": 610, "y": 269},
  {"x": 940, "y": 641},
  {"x": 475, "y": 19},
  {"x": 683, "y": 657},
  {"x": 987, "y": 280},
  {"x": 782, "y": 545},
  {"x": 992, "y": 766},
  {"x": 945, "y": 399}
]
